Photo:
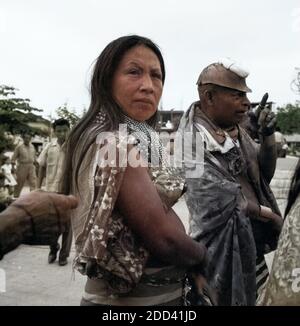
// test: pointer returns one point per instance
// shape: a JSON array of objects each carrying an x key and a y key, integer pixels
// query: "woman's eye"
[
  {"x": 157, "y": 75},
  {"x": 134, "y": 72}
]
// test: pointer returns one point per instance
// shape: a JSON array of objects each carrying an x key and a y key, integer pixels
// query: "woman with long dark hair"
[
  {"x": 129, "y": 242},
  {"x": 283, "y": 287}
]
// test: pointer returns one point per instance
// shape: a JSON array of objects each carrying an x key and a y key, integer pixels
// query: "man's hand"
[
  {"x": 202, "y": 294},
  {"x": 49, "y": 213},
  {"x": 266, "y": 119},
  {"x": 266, "y": 215}
]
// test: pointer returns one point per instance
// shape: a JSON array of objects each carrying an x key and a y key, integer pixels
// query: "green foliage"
[
  {"x": 14, "y": 111},
  {"x": 288, "y": 119},
  {"x": 15, "y": 114},
  {"x": 6, "y": 142},
  {"x": 8, "y": 101},
  {"x": 65, "y": 113}
]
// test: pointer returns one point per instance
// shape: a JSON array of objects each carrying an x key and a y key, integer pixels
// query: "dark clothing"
[
  {"x": 66, "y": 243},
  {"x": 220, "y": 217}
]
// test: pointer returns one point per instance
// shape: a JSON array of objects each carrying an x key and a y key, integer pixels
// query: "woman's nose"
[{"x": 147, "y": 83}]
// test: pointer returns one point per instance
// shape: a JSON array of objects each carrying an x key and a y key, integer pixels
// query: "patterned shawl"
[
  {"x": 105, "y": 247},
  {"x": 282, "y": 288}
]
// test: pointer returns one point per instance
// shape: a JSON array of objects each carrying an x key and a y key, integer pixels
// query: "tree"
[
  {"x": 65, "y": 113},
  {"x": 15, "y": 114},
  {"x": 288, "y": 119},
  {"x": 295, "y": 84}
]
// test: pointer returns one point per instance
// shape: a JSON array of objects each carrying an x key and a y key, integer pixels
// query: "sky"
[{"x": 47, "y": 47}]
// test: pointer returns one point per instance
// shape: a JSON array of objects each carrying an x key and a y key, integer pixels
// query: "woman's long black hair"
[
  {"x": 101, "y": 98},
  {"x": 294, "y": 190}
]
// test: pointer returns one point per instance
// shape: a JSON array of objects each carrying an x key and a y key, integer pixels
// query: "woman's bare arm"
[{"x": 162, "y": 233}]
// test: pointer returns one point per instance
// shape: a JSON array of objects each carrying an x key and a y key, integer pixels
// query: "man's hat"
[{"x": 226, "y": 73}]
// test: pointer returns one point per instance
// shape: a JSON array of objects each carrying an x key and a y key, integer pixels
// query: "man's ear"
[{"x": 208, "y": 95}]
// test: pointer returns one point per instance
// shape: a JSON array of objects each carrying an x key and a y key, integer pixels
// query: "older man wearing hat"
[{"x": 232, "y": 209}]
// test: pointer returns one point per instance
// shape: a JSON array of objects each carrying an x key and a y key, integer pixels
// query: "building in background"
[{"x": 168, "y": 120}]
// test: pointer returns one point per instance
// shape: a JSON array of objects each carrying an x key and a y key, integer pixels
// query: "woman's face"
[{"x": 137, "y": 83}]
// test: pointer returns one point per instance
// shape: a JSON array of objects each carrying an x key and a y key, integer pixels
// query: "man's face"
[
  {"x": 61, "y": 132},
  {"x": 26, "y": 139},
  {"x": 229, "y": 106}
]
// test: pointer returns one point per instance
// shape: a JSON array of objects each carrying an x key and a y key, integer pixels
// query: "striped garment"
[{"x": 262, "y": 274}]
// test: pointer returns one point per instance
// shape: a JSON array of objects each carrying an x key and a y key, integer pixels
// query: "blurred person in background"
[
  {"x": 25, "y": 157},
  {"x": 50, "y": 168}
]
